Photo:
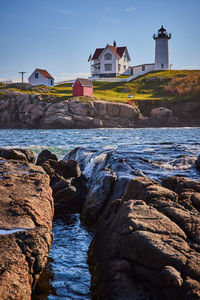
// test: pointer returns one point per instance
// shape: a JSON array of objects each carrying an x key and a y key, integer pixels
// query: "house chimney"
[{"x": 114, "y": 44}]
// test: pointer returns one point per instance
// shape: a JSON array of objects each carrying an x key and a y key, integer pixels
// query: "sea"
[{"x": 152, "y": 152}]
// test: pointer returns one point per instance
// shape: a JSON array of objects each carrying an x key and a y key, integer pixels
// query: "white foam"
[
  {"x": 92, "y": 163},
  {"x": 13, "y": 230}
]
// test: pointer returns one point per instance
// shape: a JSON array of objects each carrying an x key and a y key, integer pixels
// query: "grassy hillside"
[{"x": 160, "y": 85}]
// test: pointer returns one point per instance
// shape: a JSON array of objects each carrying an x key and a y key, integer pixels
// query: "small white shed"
[{"x": 41, "y": 77}]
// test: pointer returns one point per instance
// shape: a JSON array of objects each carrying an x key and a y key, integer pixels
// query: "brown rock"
[
  {"x": 61, "y": 169},
  {"x": 156, "y": 236},
  {"x": 19, "y": 154},
  {"x": 26, "y": 207},
  {"x": 44, "y": 156},
  {"x": 149, "y": 191}
]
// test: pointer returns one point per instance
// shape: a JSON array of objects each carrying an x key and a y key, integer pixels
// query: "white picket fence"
[
  {"x": 109, "y": 79},
  {"x": 115, "y": 79}
]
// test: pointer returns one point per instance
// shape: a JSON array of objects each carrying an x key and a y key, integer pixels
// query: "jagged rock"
[
  {"x": 147, "y": 241},
  {"x": 149, "y": 190},
  {"x": 26, "y": 206},
  {"x": 44, "y": 156},
  {"x": 66, "y": 181},
  {"x": 66, "y": 198},
  {"x": 19, "y": 154},
  {"x": 188, "y": 191},
  {"x": 57, "y": 170}
]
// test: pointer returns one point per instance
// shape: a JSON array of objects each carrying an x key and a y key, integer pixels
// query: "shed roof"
[{"x": 85, "y": 82}]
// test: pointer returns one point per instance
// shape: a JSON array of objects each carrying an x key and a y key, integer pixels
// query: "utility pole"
[{"x": 22, "y": 76}]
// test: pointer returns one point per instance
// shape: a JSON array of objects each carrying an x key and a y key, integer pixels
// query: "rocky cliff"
[
  {"x": 19, "y": 110},
  {"x": 31, "y": 111}
]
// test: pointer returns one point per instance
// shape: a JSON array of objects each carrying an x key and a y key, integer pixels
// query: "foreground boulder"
[
  {"x": 147, "y": 243},
  {"x": 26, "y": 206}
]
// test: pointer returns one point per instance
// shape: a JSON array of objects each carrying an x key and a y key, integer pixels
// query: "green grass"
[
  {"x": 159, "y": 85},
  {"x": 151, "y": 86}
]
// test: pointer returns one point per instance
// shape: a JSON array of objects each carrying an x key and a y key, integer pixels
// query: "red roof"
[
  {"x": 97, "y": 53},
  {"x": 44, "y": 73},
  {"x": 118, "y": 51}
]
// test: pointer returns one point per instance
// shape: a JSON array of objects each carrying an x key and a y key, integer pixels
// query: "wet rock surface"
[
  {"x": 26, "y": 206},
  {"x": 146, "y": 234}
]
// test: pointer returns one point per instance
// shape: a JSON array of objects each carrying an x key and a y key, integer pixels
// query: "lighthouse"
[{"x": 162, "y": 49}]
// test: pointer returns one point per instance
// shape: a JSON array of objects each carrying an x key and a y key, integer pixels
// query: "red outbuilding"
[{"x": 82, "y": 87}]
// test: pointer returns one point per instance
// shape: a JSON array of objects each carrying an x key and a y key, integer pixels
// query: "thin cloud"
[
  {"x": 64, "y": 27},
  {"x": 190, "y": 67},
  {"x": 70, "y": 76},
  {"x": 61, "y": 11},
  {"x": 108, "y": 9},
  {"x": 112, "y": 20},
  {"x": 129, "y": 9}
]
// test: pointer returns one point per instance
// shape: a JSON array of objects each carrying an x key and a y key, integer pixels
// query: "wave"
[{"x": 177, "y": 164}]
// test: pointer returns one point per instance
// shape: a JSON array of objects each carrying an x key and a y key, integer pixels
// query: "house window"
[
  {"x": 119, "y": 67},
  {"x": 124, "y": 67},
  {"x": 36, "y": 75},
  {"x": 108, "y": 56},
  {"x": 51, "y": 81},
  {"x": 108, "y": 67},
  {"x": 143, "y": 67},
  {"x": 124, "y": 58},
  {"x": 162, "y": 66}
]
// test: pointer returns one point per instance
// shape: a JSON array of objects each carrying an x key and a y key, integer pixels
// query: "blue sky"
[{"x": 59, "y": 35}]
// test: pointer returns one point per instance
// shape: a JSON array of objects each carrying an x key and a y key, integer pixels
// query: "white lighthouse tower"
[{"x": 162, "y": 49}]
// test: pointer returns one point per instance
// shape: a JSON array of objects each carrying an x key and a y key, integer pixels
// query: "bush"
[{"x": 187, "y": 85}]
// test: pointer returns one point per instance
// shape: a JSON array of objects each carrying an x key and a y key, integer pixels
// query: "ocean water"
[{"x": 153, "y": 152}]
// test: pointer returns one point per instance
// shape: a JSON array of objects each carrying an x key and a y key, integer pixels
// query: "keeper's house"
[
  {"x": 110, "y": 61},
  {"x": 41, "y": 77},
  {"x": 82, "y": 87}
]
